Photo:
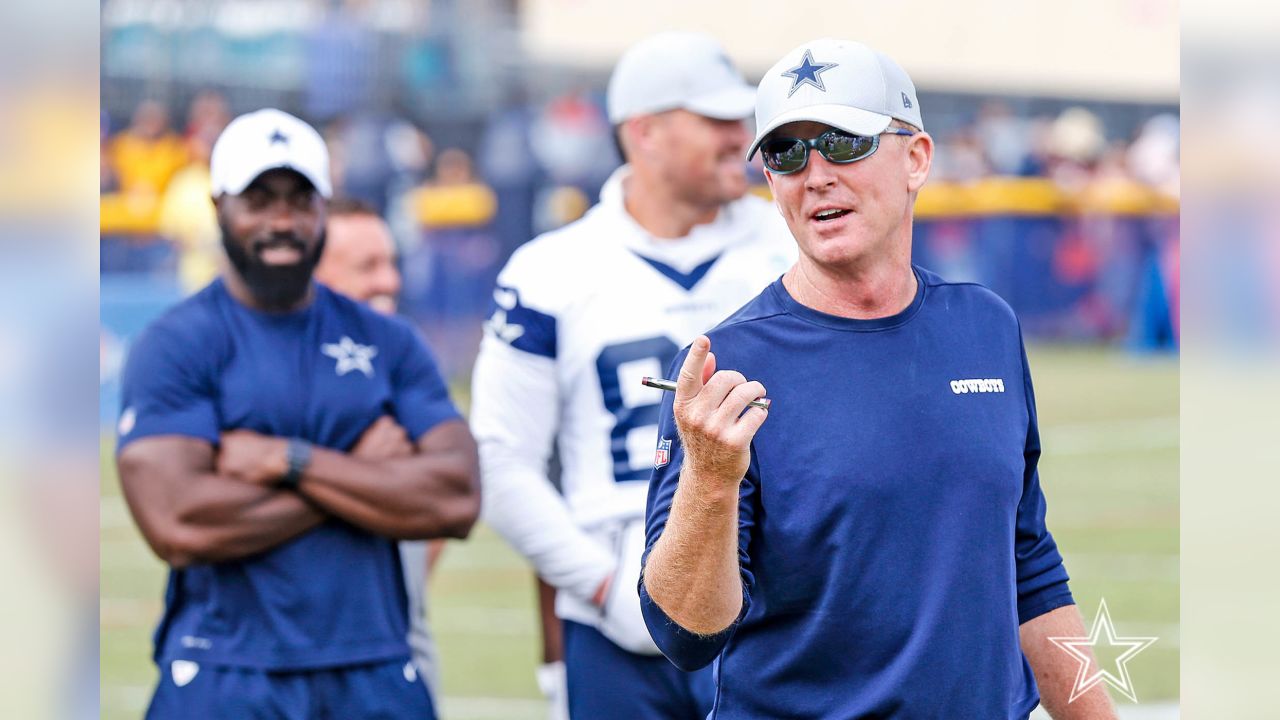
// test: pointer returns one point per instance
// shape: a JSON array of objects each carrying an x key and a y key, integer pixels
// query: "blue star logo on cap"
[
  {"x": 278, "y": 137},
  {"x": 807, "y": 73}
]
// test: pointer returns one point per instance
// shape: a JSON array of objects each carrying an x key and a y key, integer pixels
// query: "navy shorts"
[
  {"x": 377, "y": 691},
  {"x": 608, "y": 683}
]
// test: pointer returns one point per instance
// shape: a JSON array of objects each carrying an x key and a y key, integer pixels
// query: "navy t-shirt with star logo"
[
  {"x": 334, "y": 595},
  {"x": 892, "y": 534}
]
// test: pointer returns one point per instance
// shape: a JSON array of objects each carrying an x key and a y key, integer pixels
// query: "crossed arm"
[{"x": 194, "y": 503}]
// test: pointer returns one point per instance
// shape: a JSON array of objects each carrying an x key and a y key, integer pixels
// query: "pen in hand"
[{"x": 670, "y": 386}]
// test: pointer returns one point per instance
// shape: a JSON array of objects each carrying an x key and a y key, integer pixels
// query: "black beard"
[{"x": 275, "y": 287}]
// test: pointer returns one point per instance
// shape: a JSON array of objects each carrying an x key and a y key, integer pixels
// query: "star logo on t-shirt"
[{"x": 350, "y": 355}]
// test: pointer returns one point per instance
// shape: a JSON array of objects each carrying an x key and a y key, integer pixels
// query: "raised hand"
[{"x": 714, "y": 430}]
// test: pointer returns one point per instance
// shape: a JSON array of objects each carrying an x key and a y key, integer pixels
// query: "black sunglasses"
[{"x": 785, "y": 155}]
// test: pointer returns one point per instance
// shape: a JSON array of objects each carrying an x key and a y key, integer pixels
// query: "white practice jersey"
[{"x": 581, "y": 315}]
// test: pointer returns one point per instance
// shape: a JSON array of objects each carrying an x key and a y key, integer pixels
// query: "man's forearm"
[
  {"x": 692, "y": 572},
  {"x": 1055, "y": 670},
  {"x": 424, "y": 496},
  {"x": 224, "y": 519},
  {"x": 525, "y": 509},
  {"x": 188, "y": 512}
]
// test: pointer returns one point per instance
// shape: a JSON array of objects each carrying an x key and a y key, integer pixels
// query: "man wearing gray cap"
[
  {"x": 672, "y": 248},
  {"x": 873, "y": 544},
  {"x": 277, "y": 438}
]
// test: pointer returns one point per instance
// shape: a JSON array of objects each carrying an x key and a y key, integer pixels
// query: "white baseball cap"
[
  {"x": 265, "y": 140},
  {"x": 840, "y": 83},
  {"x": 678, "y": 70}
]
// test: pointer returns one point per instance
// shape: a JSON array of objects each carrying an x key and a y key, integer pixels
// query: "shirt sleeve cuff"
[{"x": 1043, "y": 600}]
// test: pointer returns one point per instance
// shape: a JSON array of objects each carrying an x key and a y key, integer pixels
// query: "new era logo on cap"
[{"x": 840, "y": 83}]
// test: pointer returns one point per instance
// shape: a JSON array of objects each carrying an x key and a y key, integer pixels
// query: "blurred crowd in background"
[{"x": 1066, "y": 208}]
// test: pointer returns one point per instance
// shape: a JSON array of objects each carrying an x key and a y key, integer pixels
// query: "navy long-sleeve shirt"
[{"x": 891, "y": 524}]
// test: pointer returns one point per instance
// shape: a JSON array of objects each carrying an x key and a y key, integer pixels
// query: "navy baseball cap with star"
[{"x": 840, "y": 83}]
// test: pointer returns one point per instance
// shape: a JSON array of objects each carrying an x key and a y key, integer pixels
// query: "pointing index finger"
[{"x": 689, "y": 383}]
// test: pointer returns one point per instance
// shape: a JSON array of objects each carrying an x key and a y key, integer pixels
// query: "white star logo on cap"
[{"x": 807, "y": 73}]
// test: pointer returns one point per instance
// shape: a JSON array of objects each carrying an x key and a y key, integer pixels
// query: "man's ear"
[
  {"x": 637, "y": 134},
  {"x": 919, "y": 160}
]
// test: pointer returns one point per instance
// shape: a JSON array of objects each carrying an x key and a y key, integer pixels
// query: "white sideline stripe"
[
  {"x": 1101, "y": 436},
  {"x": 1126, "y": 711}
]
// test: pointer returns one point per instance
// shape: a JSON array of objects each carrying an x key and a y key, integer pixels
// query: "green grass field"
[{"x": 1110, "y": 471}]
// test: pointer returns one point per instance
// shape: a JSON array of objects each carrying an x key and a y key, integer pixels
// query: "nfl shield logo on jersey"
[{"x": 662, "y": 455}]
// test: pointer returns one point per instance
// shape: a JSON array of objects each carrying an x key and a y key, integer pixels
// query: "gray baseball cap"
[
  {"x": 840, "y": 83},
  {"x": 678, "y": 70}
]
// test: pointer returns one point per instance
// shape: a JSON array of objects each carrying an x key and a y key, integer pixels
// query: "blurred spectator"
[
  {"x": 206, "y": 117},
  {"x": 146, "y": 154},
  {"x": 559, "y": 206},
  {"x": 341, "y": 62},
  {"x": 453, "y": 168},
  {"x": 573, "y": 141},
  {"x": 961, "y": 158},
  {"x": 186, "y": 216},
  {"x": 506, "y": 161},
  {"x": 1077, "y": 140},
  {"x": 106, "y": 174},
  {"x": 448, "y": 277},
  {"x": 376, "y": 158},
  {"x": 1153, "y": 158},
  {"x": 1005, "y": 139}
]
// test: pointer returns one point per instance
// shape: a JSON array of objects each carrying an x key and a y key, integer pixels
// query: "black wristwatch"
[{"x": 298, "y": 454}]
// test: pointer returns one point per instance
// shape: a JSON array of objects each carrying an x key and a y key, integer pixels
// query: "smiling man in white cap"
[
  {"x": 581, "y": 315},
  {"x": 873, "y": 545},
  {"x": 277, "y": 438}
]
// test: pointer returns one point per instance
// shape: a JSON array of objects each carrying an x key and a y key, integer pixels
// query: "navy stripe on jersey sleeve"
[
  {"x": 169, "y": 387},
  {"x": 1042, "y": 578},
  {"x": 686, "y": 650},
  {"x": 521, "y": 327},
  {"x": 421, "y": 396}
]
